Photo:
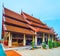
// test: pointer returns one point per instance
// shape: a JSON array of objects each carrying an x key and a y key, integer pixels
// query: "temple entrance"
[
  {"x": 46, "y": 40},
  {"x": 17, "y": 39},
  {"x": 28, "y": 42},
  {"x": 29, "y": 39},
  {"x": 39, "y": 41}
]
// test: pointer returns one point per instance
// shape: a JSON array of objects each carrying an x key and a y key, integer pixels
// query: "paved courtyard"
[{"x": 40, "y": 52}]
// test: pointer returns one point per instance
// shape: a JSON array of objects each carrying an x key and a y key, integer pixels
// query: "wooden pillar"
[
  {"x": 24, "y": 40},
  {"x": 48, "y": 37},
  {"x": 52, "y": 38},
  {"x": 35, "y": 38},
  {"x": 10, "y": 40},
  {"x": 43, "y": 37}
]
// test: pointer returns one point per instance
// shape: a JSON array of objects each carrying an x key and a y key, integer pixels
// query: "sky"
[{"x": 47, "y": 11}]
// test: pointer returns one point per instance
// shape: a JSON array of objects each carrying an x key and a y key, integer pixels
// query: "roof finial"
[
  {"x": 3, "y": 5},
  {"x": 31, "y": 14},
  {"x": 3, "y": 8},
  {"x": 21, "y": 11}
]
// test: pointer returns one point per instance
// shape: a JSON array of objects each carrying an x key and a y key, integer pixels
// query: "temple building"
[{"x": 22, "y": 29}]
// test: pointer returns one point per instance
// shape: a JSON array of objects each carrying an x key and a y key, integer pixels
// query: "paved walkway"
[
  {"x": 40, "y": 52},
  {"x": 18, "y": 48}
]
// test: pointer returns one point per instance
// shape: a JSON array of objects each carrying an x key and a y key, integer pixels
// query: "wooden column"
[
  {"x": 24, "y": 40},
  {"x": 10, "y": 40},
  {"x": 48, "y": 37},
  {"x": 35, "y": 38},
  {"x": 43, "y": 37},
  {"x": 52, "y": 38}
]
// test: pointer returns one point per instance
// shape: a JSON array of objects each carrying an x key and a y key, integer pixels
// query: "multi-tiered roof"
[
  {"x": 24, "y": 23},
  {"x": 14, "y": 22},
  {"x": 36, "y": 24}
]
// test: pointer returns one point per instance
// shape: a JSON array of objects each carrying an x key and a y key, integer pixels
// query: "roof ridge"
[
  {"x": 30, "y": 15},
  {"x": 12, "y": 11}
]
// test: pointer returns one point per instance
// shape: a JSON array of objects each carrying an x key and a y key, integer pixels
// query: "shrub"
[
  {"x": 32, "y": 44},
  {"x": 56, "y": 44},
  {"x": 50, "y": 44},
  {"x": 44, "y": 45},
  {"x": 53, "y": 44},
  {"x": 59, "y": 43}
]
